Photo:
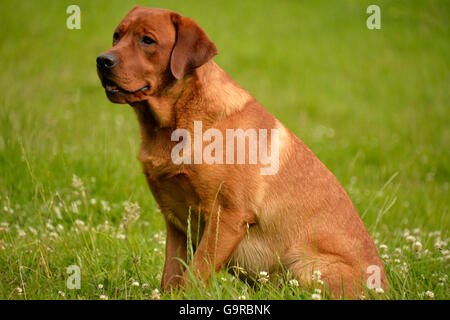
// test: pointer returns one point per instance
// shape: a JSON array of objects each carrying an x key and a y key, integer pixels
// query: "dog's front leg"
[
  {"x": 220, "y": 238},
  {"x": 175, "y": 250}
]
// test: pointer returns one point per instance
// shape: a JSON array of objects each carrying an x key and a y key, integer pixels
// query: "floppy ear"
[{"x": 192, "y": 47}]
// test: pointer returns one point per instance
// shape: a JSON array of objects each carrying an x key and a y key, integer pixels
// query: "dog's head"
[{"x": 152, "y": 48}]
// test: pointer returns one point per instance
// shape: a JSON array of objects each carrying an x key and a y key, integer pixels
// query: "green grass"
[{"x": 372, "y": 104}]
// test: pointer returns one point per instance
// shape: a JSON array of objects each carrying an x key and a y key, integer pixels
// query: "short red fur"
[{"x": 299, "y": 219}]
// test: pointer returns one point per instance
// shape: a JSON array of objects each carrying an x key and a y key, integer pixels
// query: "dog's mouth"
[{"x": 113, "y": 88}]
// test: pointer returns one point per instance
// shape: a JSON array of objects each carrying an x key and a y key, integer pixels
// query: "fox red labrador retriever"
[{"x": 279, "y": 209}]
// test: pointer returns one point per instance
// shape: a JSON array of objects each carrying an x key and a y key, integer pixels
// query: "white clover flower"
[
  {"x": 263, "y": 277},
  {"x": 155, "y": 294},
  {"x": 93, "y": 201},
  {"x": 135, "y": 284},
  {"x": 74, "y": 208},
  {"x": 49, "y": 226},
  {"x": 410, "y": 239},
  {"x": 318, "y": 291},
  {"x": 379, "y": 290},
  {"x": 76, "y": 182},
  {"x": 100, "y": 286},
  {"x": 383, "y": 247},
  {"x": 103, "y": 297},
  {"x": 4, "y": 227},
  {"x": 397, "y": 251},
  {"x": 121, "y": 236},
  {"x": 57, "y": 212},
  {"x": 21, "y": 233},
  {"x": 434, "y": 234},
  {"x": 61, "y": 293},
  {"x": 417, "y": 246},
  {"x": 429, "y": 294},
  {"x": 263, "y": 280},
  {"x": 79, "y": 223},
  {"x": 19, "y": 291},
  {"x": 32, "y": 230},
  {"x": 293, "y": 283},
  {"x": 316, "y": 296},
  {"x": 439, "y": 244},
  {"x": 145, "y": 286},
  {"x": 316, "y": 275},
  {"x": 242, "y": 298},
  {"x": 60, "y": 228},
  {"x": 406, "y": 233},
  {"x": 105, "y": 206}
]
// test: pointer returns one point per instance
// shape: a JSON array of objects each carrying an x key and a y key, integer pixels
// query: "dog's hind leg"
[{"x": 336, "y": 278}]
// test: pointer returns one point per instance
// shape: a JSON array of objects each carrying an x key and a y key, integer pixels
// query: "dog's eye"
[
  {"x": 147, "y": 40},
  {"x": 116, "y": 36}
]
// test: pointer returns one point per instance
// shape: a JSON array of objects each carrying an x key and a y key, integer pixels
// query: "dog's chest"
[
  {"x": 178, "y": 201},
  {"x": 172, "y": 189},
  {"x": 155, "y": 158}
]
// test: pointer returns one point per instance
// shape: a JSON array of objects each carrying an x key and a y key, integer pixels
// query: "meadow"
[{"x": 373, "y": 105}]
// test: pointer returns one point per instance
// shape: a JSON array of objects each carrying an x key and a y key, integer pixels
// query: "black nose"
[{"x": 107, "y": 61}]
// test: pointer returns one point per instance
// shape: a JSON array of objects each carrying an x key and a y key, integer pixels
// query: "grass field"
[{"x": 372, "y": 104}]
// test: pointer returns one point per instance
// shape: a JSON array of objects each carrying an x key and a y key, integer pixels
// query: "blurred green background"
[{"x": 372, "y": 104}]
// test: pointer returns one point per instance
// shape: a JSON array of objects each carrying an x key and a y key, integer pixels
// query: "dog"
[{"x": 298, "y": 218}]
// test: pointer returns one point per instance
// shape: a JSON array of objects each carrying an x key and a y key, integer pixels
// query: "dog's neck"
[
  {"x": 221, "y": 96},
  {"x": 207, "y": 94}
]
